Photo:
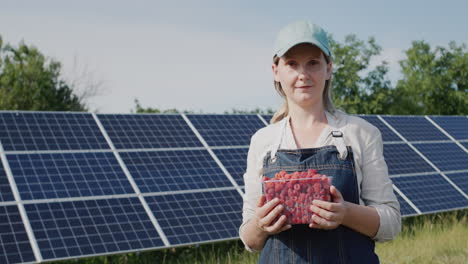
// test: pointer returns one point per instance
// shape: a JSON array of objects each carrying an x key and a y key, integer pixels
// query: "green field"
[{"x": 437, "y": 238}]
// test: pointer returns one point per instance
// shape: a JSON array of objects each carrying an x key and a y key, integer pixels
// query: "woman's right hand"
[{"x": 267, "y": 213}]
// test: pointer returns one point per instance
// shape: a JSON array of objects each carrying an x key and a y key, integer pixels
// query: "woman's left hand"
[{"x": 329, "y": 215}]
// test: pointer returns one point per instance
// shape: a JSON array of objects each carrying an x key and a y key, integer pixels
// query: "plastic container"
[{"x": 296, "y": 191}]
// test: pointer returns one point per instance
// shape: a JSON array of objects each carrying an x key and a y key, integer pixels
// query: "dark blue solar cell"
[
  {"x": 415, "y": 128},
  {"x": 456, "y": 126},
  {"x": 401, "y": 159},
  {"x": 235, "y": 161},
  {"x": 445, "y": 156},
  {"x": 267, "y": 118},
  {"x": 387, "y": 134},
  {"x": 82, "y": 228},
  {"x": 198, "y": 217},
  {"x": 465, "y": 144},
  {"x": 14, "y": 242},
  {"x": 226, "y": 130},
  {"x": 460, "y": 179},
  {"x": 161, "y": 171},
  {"x": 5, "y": 190},
  {"x": 405, "y": 208},
  {"x": 50, "y": 131},
  {"x": 143, "y": 131},
  {"x": 430, "y": 193},
  {"x": 61, "y": 175}
]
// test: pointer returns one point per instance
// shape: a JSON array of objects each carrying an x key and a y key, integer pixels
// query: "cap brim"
[{"x": 283, "y": 51}]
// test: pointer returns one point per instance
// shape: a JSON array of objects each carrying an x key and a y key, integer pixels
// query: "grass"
[{"x": 438, "y": 238}]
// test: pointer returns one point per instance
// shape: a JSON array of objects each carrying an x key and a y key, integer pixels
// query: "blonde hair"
[{"x": 283, "y": 111}]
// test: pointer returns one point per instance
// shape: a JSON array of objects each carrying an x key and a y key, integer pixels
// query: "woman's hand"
[
  {"x": 329, "y": 215},
  {"x": 267, "y": 213}
]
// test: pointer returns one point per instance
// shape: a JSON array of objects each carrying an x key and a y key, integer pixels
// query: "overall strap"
[
  {"x": 277, "y": 143},
  {"x": 338, "y": 137}
]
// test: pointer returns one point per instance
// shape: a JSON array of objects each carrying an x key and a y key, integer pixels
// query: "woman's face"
[{"x": 302, "y": 72}]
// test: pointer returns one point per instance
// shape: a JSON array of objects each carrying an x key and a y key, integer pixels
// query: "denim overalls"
[{"x": 302, "y": 244}]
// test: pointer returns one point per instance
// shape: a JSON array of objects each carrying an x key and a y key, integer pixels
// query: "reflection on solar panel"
[
  {"x": 196, "y": 217},
  {"x": 226, "y": 130},
  {"x": 446, "y": 156},
  {"x": 415, "y": 128},
  {"x": 235, "y": 161},
  {"x": 402, "y": 159},
  {"x": 387, "y": 134},
  {"x": 163, "y": 171},
  {"x": 78, "y": 184},
  {"x": 454, "y": 125},
  {"x": 430, "y": 193},
  {"x": 14, "y": 243},
  {"x": 148, "y": 131},
  {"x": 49, "y": 131},
  {"x": 60, "y": 175},
  {"x": 5, "y": 190}
]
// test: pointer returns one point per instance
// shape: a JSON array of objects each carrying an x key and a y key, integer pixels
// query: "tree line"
[{"x": 434, "y": 81}]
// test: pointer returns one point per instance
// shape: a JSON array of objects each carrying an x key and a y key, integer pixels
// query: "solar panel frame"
[
  {"x": 226, "y": 130},
  {"x": 62, "y": 229},
  {"x": 445, "y": 156},
  {"x": 235, "y": 161},
  {"x": 456, "y": 126},
  {"x": 387, "y": 134},
  {"x": 6, "y": 194},
  {"x": 148, "y": 131},
  {"x": 67, "y": 175},
  {"x": 415, "y": 128},
  {"x": 160, "y": 171},
  {"x": 15, "y": 246},
  {"x": 398, "y": 154},
  {"x": 444, "y": 198},
  {"x": 201, "y": 208},
  {"x": 49, "y": 131}
]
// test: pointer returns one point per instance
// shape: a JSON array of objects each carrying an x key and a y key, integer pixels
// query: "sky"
[{"x": 208, "y": 56}]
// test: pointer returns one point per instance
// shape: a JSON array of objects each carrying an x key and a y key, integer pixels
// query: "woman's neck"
[{"x": 307, "y": 118}]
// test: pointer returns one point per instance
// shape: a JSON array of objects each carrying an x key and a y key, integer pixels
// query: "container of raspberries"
[{"x": 296, "y": 191}]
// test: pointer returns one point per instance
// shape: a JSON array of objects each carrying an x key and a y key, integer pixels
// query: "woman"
[{"x": 307, "y": 132}]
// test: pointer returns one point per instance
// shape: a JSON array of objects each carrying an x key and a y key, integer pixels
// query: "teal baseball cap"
[{"x": 301, "y": 32}]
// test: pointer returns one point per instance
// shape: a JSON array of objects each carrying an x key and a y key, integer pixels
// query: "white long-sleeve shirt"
[{"x": 375, "y": 186}]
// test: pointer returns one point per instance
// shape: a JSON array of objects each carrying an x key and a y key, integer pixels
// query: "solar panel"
[
  {"x": 465, "y": 144},
  {"x": 196, "y": 217},
  {"x": 90, "y": 227},
  {"x": 456, "y": 126},
  {"x": 226, "y": 130},
  {"x": 60, "y": 175},
  {"x": 79, "y": 198},
  {"x": 162, "y": 171},
  {"x": 50, "y": 131},
  {"x": 5, "y": 190},
  {"x": 235, "y": 161},
  {"x": 415, "y": 128},
  {"x": 446, "y": 156},
  {"x": 430, "y": 193},
  {"x": 14, "y": 242},
  {"x": 405, "y": 208},
  {"x": 387, "y": 134},
  {"x": 148, "y": 131},
  {"x": 460, "y": 179},
  {"x": 402, "y": 159}
]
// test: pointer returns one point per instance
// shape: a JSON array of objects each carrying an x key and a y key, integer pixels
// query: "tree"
[
  {"x": 434, "y": 81},
  {"x": 371, "y": 94},
  {"x": 30, "y": 81}
]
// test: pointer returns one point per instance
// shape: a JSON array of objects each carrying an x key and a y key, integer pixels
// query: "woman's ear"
[
  {"x": 274, "y": 68},
  {"x": 329, "y": 70}
]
